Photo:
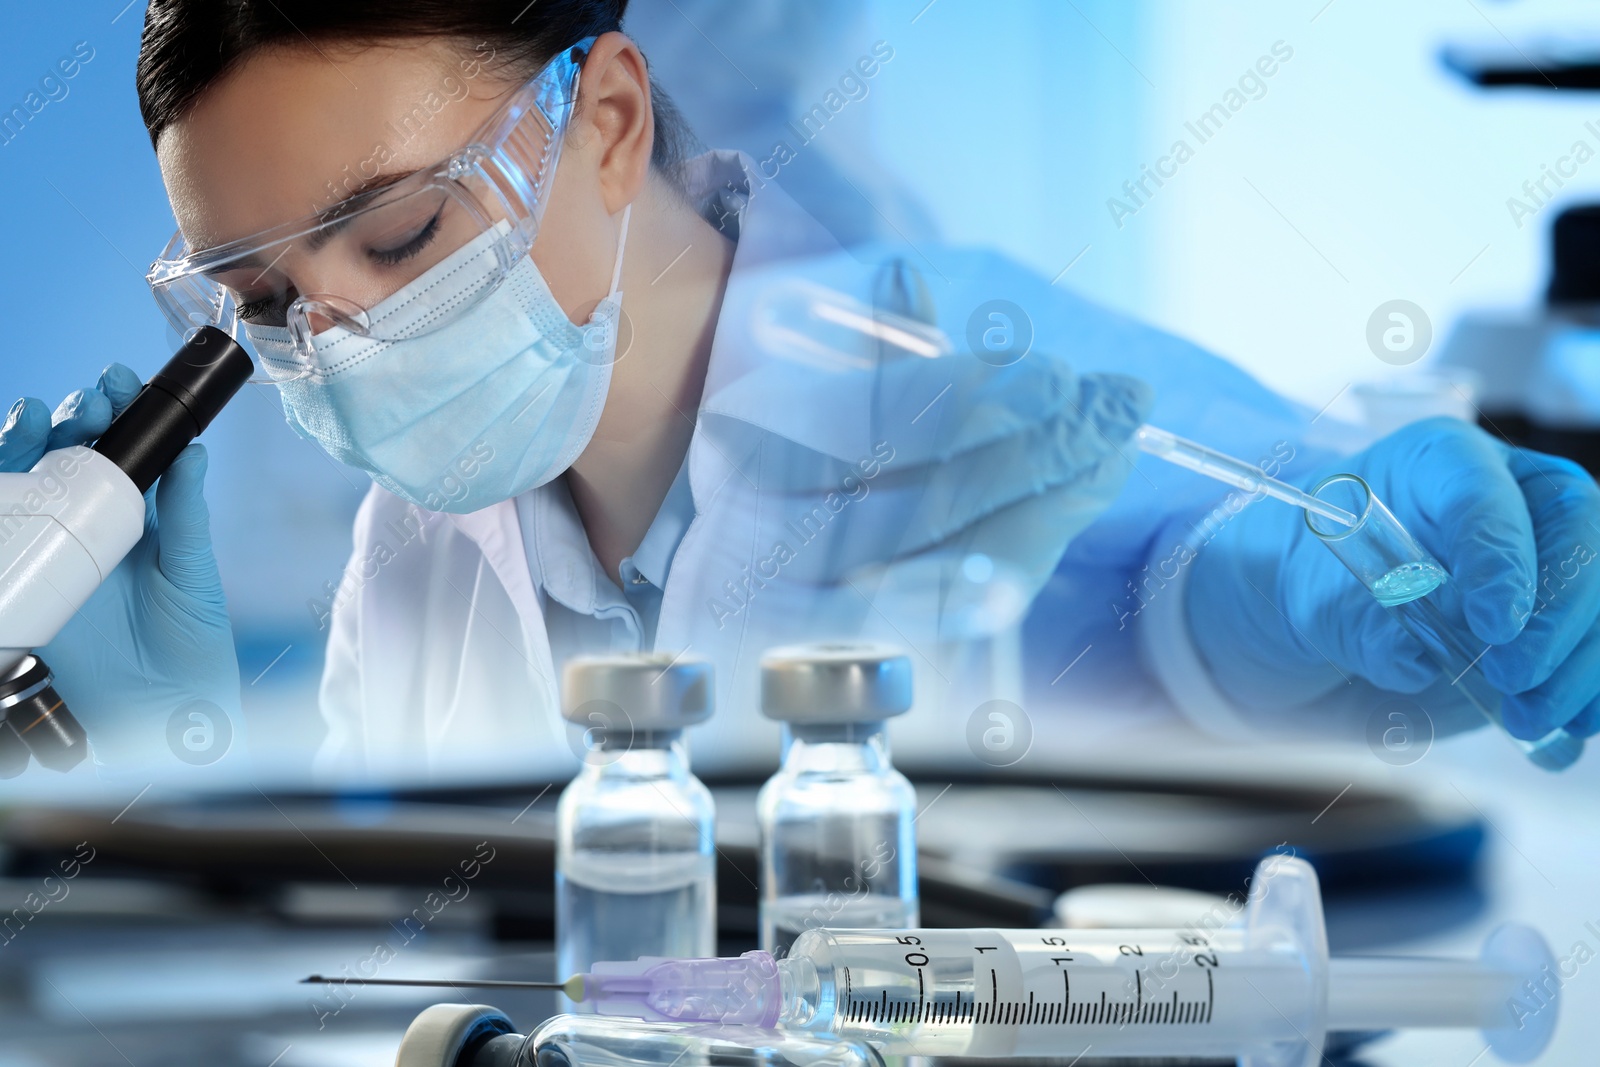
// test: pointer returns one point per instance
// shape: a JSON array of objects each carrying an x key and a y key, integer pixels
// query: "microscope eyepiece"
[{"x": 175, "y": 405}]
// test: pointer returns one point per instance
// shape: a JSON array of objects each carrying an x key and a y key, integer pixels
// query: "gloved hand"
[
  {"x": 992, "y": 483},
  {"x": 920, "y": 495},
  {"x": 155, "y": 637},
  {"x": 971, "y": 483},
  {"x": 1281, "y": 623}
]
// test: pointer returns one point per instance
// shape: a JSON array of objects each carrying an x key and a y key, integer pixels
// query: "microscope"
[{"x": 67, "y": 523}]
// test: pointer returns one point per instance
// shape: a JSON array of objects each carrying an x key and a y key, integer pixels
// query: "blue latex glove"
[
  {"x": 155, "y": 636},
  {"x": 1282, "y": 624}
]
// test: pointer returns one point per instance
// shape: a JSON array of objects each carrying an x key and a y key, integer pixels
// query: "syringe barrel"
[{"x": 1055, "y": 993}]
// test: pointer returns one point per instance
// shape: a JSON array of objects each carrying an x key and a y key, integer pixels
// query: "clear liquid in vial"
[
  {"x": 789, "y": 917},
  {"x": 623, "y": 905}
]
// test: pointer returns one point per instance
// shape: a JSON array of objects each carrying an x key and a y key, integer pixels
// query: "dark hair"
[{"x": 189, "y": 44}]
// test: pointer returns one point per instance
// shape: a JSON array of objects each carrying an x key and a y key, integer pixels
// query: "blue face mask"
[{"x": 495, "y": 403}]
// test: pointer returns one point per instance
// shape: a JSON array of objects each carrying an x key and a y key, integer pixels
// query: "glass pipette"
[
  {"x": 1234, "y": 472},
  {"x": 1259, "y": 986}
]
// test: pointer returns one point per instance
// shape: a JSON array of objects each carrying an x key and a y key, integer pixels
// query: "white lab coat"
[{"x": 439, "y": 660}]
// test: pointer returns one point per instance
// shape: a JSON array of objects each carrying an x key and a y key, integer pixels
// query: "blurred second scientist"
[{"x": 496, "y": 278}]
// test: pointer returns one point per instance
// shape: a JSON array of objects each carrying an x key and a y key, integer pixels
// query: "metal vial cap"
[
  {"x": 654, "y": 690},
  {"x": 835, "y": 683}
]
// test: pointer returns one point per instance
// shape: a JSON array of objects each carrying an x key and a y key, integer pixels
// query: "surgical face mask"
[{"x": 499, "y": 401}]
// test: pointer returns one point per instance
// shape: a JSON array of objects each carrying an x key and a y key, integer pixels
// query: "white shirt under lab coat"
[{"x": 440, "y": 659}]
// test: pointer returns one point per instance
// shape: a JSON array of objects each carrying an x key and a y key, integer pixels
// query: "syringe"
[
  {"x": 1234, "y": 472},
  {"x": 1261, "y": 990}
]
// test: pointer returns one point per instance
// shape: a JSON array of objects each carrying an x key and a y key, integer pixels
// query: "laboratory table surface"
[{"x": 178, "y": 979}]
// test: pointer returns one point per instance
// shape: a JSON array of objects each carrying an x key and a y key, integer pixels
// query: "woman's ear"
[{"x": 614, "y": 106}]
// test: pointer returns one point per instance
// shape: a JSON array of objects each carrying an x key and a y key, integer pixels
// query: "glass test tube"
[{"x": 1420, "y": 594}]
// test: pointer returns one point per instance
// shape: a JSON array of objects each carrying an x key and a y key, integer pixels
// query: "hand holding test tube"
[
  {"x": 1423, "y": 598},
  {"x": 1400, "y": 574}
]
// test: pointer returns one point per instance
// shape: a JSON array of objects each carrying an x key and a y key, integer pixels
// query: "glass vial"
[
  {"x": 607, "y": 1041},
  {"x": 1420, "y": 594},
  {"x": 635, "y": 830},
  {"x": 838, "y": 846}
]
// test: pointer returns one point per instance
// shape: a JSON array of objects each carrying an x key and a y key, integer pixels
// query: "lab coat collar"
[
  {"x": 498, "y": 534},
  {"x": 559, "y": 548},
  {"x": 559, "y": 553},
  {"x": 653, "y": 558}
]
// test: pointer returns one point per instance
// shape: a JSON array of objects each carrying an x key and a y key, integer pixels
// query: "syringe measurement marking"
[
  {"x": 1177, "y": 1012},
  {"x": 1032, "y": 1013}
]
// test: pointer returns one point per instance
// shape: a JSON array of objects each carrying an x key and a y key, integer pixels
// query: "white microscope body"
[
  {"x": 64, "y": 526},
  {"x": 68, "y": 522}
]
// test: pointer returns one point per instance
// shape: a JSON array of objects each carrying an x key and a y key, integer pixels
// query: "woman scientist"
[{"x": 468, "y": 243}]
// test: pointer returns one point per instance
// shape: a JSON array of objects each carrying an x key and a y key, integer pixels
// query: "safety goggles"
[{"x": 485, "y": 201}]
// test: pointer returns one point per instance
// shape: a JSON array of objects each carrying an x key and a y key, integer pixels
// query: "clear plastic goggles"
[{"x": 364, "y": 249}]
